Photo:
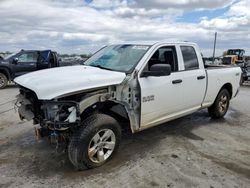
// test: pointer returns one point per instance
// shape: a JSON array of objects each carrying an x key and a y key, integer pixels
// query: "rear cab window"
[{"x": 190, "y": 58}]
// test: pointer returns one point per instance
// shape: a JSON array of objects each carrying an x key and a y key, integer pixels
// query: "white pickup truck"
[{"x": 133, "y": 85}]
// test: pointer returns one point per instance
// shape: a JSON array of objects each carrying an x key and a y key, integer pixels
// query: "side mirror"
[
  {"x": 158, "y": 70},
  {"x": 15, "y": 60}
]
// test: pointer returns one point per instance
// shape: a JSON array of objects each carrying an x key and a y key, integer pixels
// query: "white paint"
[
  {"x": 175, "y": 100},
  {"x": 55, "y": 82}
]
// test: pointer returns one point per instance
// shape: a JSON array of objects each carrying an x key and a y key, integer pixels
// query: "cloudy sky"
[{"x": 83, "y": 26}]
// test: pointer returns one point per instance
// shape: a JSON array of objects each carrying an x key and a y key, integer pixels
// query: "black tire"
[
  {"x": 78, "y": 149},
  {"x": 3, "y": 81},
  {"x": 221, "y": 104}
]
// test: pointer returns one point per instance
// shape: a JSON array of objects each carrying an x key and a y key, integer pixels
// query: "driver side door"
[
  {"x": 161, "y": 96},
  {"x": 26, "y": 62}
]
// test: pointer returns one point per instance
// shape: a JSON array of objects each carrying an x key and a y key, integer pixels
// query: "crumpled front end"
[
  {"x": 54, "y": 115},
  {"x": 60, "y": 115}
]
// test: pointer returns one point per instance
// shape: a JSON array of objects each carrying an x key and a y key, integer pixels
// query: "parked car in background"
[
  {"x": 133, "y": 85},
  {"x": 26, "y": 61}
]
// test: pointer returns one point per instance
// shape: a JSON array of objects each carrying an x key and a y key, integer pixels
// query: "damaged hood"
[{"x": 55, "y": 82}]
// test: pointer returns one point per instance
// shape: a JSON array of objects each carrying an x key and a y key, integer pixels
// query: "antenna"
[{"x": 215, "y": 39}]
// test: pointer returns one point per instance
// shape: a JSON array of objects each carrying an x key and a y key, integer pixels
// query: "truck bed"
[
  {"x": 217, "y": 66},
  {"x": 217, "y": 76}
]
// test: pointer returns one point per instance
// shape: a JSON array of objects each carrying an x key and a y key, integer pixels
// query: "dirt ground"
[{"x": 193, "y": 151}]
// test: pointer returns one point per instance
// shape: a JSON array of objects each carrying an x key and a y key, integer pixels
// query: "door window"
[
  {"x": 164, "y": 55},
  {"x": 29, "y": 57},
  {"x": 189, "y": 57}
]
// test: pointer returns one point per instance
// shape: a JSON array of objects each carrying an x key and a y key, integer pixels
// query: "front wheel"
[
  {"x": 221, "y": 104},
  {"x": 3, "y": 81},
  {"x": 95, "y": 143}
]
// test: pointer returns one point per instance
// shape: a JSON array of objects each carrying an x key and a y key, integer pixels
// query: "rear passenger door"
[{"x": 193, "y": 79}]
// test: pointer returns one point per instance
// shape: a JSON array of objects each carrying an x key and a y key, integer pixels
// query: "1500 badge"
[{"x": 148, "y": 98}]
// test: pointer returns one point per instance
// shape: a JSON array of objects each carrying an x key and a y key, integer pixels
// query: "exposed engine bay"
[{"x": 56, "y": 118}]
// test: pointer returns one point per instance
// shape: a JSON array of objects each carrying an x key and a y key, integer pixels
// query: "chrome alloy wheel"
[
  {"x": 101, "y": 146},
  {"x": 223, "y": 102}
]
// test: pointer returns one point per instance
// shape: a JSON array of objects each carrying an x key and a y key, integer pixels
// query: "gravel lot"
[{"x": 193, "y": 151}]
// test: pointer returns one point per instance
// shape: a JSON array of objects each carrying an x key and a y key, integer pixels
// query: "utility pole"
[{"x": 215, "y": 39}]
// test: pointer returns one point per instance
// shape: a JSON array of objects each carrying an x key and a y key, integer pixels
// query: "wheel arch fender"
[
  {"x": 95, "y": 103},
  {"x": 229, "y": 88},
  {"x": 6, "y": 72}
]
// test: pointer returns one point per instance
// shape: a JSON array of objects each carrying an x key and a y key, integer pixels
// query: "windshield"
[{"x": 118, "y": 57}]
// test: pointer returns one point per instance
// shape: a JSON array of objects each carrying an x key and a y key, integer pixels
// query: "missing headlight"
[{"x": 61, "y": 112}]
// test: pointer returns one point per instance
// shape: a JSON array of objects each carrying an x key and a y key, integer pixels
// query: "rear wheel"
[
  {"x": 95, "y": 143},
  {"x": 221, "y": 104},
  {"x": 3, "y": 81}
]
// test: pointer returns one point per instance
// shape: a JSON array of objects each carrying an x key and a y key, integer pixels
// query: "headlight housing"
[{"x": 60, "y": 114}]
